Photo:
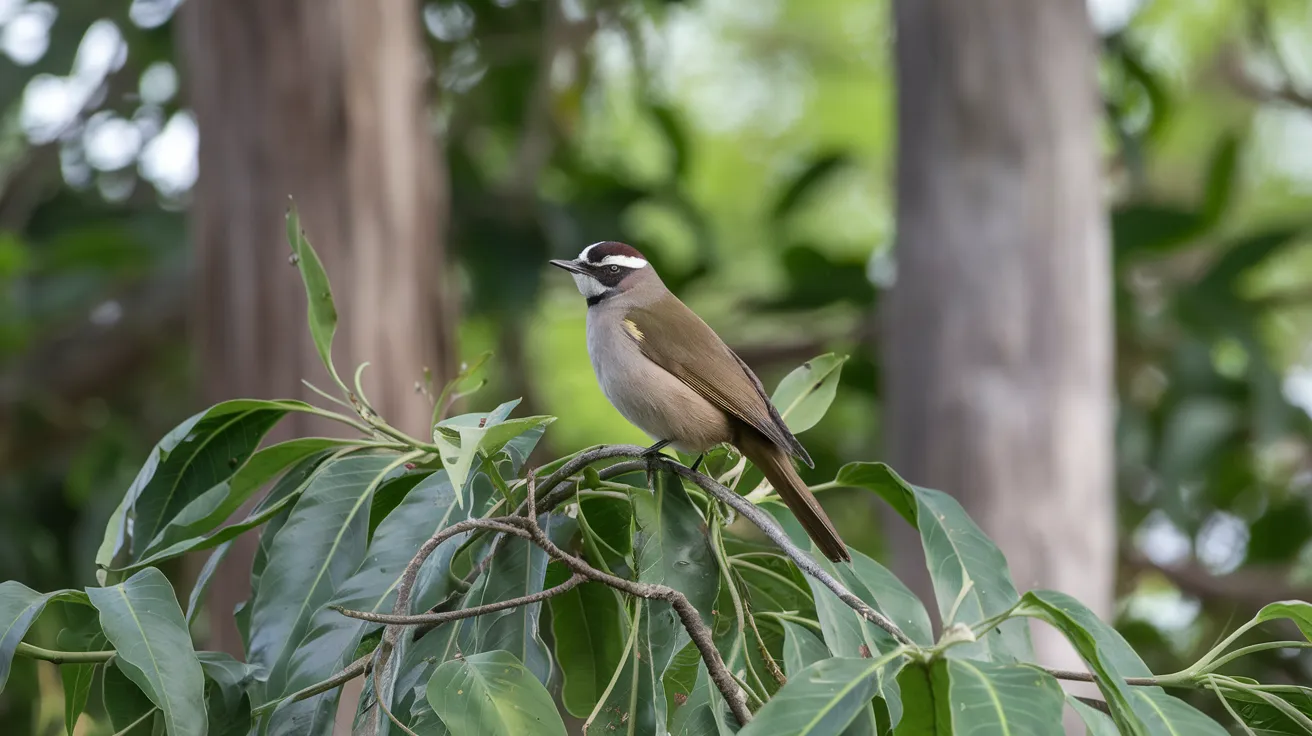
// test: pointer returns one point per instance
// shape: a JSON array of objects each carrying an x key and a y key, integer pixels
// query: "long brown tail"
[{"x": 779, "y": 470}]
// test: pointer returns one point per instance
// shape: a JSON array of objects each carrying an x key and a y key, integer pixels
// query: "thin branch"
[
  {"x": 692, "y": 621},
  {"x": 1079, "y": 676},
  {"x": 445, "y": 616},
  {"x": 350, "y": 672}
]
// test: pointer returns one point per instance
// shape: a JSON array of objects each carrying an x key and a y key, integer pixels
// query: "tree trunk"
[
  {"x": 322, "y": 101},
  {"x": 998, "y": 347}
]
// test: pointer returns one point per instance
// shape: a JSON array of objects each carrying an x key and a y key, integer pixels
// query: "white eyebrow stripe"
[
  {"x": 583, "y": 257},
  {"x": 625, "y": 261}
]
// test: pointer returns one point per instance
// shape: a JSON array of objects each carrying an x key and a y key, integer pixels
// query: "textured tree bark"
[
  {"x": 325, "y": 102},
  {"x": 998, "y": 333}
]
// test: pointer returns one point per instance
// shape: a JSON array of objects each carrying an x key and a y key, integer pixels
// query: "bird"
[{"x": 669, "y": 374}]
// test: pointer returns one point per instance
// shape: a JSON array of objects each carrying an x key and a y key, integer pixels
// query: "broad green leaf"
[
  {"x": 332, "y": 638},
  {"x": 126, "y": 705},
  {"x": 590, "y": 628},
  {"x": 279, "y": 499},
  {"x": 492, "y": 694},
  {"x": 704, "y": 712},
  {"x": 1002, "y": 699},
  {"x": 670, "y": 548},
  {"x": 82, "y": 635},
  {"x": 142, "y": 620},
  {"x": 804, "y": 395},
  {"x": 801, "y": 648},
  {"x": 19, "y": 608},
  {"x": 970, "y": 575},
  {"x": 1300, "y": 612},
  {"x": 464, "y": 438},
  {"x": 418, "y": 661},
  {"x": 390, "y": 495},
  {"x": 823, "y": 698},
  {"x": 1170, "y": 716},
  {"x": 321, "y": 312},
  {"x": 214, "y": 506},
  {"x": 203, "y": 451},
  {"x": 518, "y": 568},
  {"x": 227, "y": 693},
  {"x": 1109, "y": 657},
  {"x": 927, "y": 713},
  {"x": 319, "y": 547},
  {"x": 1097, "y": 722},
  {"x": 874, "y": 584}
]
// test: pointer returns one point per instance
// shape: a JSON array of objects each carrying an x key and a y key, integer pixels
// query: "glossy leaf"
[
  {"x": 321, "y": 544},
  {"x": 205, "y": 450},
  {"x": 802, "y": 648},
  {"x": 518, "y": 568},
  {"x": 1003, "y": 699},
  {"x": 1109, "y": 657},
  {"x": 19, "y": 608},
  {"x": 82, "y": 635},
  {"x": 464, "y": 438},
  {"x": 1168, "y": 715},
  {"x": 227, "y": 693},
  {"x": 590, "y": 627},
  {"x": 804, "y": 395},
  {"x": 331, "y": 641},
  {"x": 823, "y": 698},
  {"x": 969, "y": 572},
  {"x": 126, "y": 705},
  {"x": 142, "y": 620},
  {"x": 321, "y": 311},
  {"x": 211, "y": 508},
  {"x": 1299, "y": 612},
  {"x": 492, "y": 694}
]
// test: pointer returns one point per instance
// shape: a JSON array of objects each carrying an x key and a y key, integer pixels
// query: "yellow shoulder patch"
[{"x": 633, "y": 330}]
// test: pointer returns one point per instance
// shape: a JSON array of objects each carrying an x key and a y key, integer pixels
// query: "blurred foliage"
[{"x": 747, "y": 148}]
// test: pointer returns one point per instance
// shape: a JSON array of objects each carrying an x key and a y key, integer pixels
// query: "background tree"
[
  {"x": 326, "y": 104},
  {"x": 998, "y": 331}
]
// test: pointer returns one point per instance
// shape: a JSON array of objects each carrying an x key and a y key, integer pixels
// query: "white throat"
[{"x": 588, "y": 286}]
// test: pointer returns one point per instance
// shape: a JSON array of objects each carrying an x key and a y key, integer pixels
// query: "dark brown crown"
[{"x": 612, "y": 248}]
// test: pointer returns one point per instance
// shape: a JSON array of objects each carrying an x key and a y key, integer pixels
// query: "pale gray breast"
[{"x": 647, "y": 395}]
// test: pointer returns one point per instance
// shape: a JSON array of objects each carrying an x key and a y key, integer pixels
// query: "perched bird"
[{"x": 670, "y": 375}]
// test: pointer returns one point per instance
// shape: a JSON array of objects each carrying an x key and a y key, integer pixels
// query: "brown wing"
[{"x": 681, "y": 343}]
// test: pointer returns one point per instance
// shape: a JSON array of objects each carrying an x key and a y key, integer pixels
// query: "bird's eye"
[{"x": 614, "y": 269}]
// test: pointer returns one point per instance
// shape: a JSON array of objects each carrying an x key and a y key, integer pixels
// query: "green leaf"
[
  {"x": 517, "y": 569},
  {"x": 203, "y": 451},
  {"x": 276, "y": 502},
  {"x": 1004, "y": 699},
  {"x": 321, "y": 544},
  {"x": 801, "y": 648},
  {"x": 82, "y": 635},
  {"x": 926, "y": 711},
  {"x": 1148, "y": 229},
  {"x": 1300, "y": 612},
  {"x": 321, "y": 312},
  {"x": 1170, "y": 716},
  {"x": 590, "y": 628},
  {"x": 876, "y": 585},
  {"x": 464, "y": 438},
  {"x": 19, "y": 608},
  {"x": 332, "y": 639},
  {"x": 823, "y": 698},
  {"x": 1109, "y": 657},
  {"x": 970, "y": 575},
  {"x": 227, "y": 693},
  {"x": 125, "y": 704},
  {"x": 492, "y": 694},
  {"x": 143, "y": 621},
  {"x": 804, "y": 395},
  {"x": 1219, "y": 190},
  {"x": 1097, "y": 722},
  {"x": 704, "y": 713},
  {"x": 214, "y": 506}
]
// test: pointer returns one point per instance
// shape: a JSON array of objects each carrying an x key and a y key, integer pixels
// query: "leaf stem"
[
  {"x": 58, "y": 657},
  {"x": 1244, "y": 651},
  {"x": 138, "y": 722}
]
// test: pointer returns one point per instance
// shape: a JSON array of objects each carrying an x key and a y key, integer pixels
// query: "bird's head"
[{"x": 605, "y": 269}]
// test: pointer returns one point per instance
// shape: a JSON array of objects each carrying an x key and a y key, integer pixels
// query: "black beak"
[{"x": 570, "y": 266}]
